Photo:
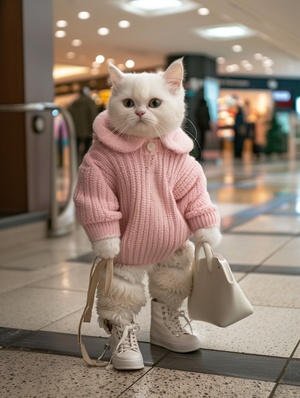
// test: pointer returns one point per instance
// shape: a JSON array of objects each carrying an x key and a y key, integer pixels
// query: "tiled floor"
[{"x": 43, "y": 290}]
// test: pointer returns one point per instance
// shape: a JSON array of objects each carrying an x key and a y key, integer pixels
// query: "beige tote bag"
[{"x": 216, "y": 297}]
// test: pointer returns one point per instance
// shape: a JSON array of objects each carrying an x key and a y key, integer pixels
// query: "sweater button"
[{"x": 150, "y": 147}]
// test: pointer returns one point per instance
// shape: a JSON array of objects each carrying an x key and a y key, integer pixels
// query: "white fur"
[
  {"x": 106, "y": 248},
  {"x": 170, "y": 282},
  {"x": 210, "y": 235},
  {"x": 126, "y": 298},
  {"x": 141, "y": 89}
]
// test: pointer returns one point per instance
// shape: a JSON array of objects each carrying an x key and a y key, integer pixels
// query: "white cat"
[{"x": 140, "y": 196}]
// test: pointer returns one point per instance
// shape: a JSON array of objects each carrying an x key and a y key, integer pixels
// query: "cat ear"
[
  {"x": 174, "y": 75},
  {"x": 115, "y": 75}
]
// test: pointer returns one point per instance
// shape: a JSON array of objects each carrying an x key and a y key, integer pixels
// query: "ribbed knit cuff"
[
  {"x": 103, "y": 230},
  {"x": 206, "y": 220}
]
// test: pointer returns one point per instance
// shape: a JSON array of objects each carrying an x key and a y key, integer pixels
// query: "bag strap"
[
  {"x": 208, "y": 251},
  {"x": 98, "y": 266}
]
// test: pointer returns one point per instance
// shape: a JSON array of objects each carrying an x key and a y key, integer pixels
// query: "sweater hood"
[{"x": 176, "y": 141}]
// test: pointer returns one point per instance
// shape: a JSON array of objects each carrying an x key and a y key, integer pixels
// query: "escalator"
[{"x": 48, "y": 118}]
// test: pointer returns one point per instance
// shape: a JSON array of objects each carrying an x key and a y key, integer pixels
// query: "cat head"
[{"x": 146, "y": 104}]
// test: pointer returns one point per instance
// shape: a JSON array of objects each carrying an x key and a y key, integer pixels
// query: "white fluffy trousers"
[{"x": 170, "y": 282}]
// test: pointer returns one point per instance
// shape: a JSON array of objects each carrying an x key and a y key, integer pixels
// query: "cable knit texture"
[{"x": 148, "y": 192}]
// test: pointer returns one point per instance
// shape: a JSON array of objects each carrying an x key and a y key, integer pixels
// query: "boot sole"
[
  {"x": 128, "y": 367},
  {"x": 181, "y": 348}
]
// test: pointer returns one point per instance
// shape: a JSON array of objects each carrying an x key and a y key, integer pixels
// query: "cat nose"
[{"x": 139, "y": 113}]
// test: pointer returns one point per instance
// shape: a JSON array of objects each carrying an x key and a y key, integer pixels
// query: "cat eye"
[
  {"x": 155, "y": 103},
  {"x": 128, "y": 103}
]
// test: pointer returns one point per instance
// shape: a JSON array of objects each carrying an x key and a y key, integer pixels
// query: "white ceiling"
[{"x": 150, "y": 39}]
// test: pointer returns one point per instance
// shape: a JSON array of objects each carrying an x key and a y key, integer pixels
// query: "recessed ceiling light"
[
  {"x": 203, "y": 11},
  {"x": 158, "y": 7},
  {"x": 103, "y": 31},
  {"x": 100, "y": 59},
  {"x": 70, "y": 55},
  {"x": 60, "y": 34},
  {"x": 237, "y": 48},
  {"x": 84, "y": 15},
  {"x": 61, "y": 23},
  {"x": 220, "y": 60},
  {"x": 258, "y": 56},
  {"x": 76, "y": 42},
  {"x": 152, "y": 5},
  {"x": 95, "y": 64},
  {"x": 248, "y": 66},
  {"x": 129, "y": 64},
  {"x": 224, "y": 32},
  {"x": 268, "y": 63},
  {"x": 124, "y": 24},
  {"x": 232, "y": 68}
]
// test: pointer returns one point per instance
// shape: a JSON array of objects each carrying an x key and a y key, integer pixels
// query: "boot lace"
[
  {"x": 127, "y": 341},
  {"x": 172, "y": 321},
  {"x": 127, "y": 337}
]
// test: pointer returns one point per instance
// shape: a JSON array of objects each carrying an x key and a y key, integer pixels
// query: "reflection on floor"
[{"x": 43, "y": 290}]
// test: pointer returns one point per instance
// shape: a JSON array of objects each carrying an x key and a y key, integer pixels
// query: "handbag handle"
[{"x": 207, "y": 251}]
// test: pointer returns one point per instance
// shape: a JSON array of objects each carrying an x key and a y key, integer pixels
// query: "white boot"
[
  {"x": 126, "y": 354},
  {"x": 116, "y": 312},
  {"x": 166, "y": 330}
]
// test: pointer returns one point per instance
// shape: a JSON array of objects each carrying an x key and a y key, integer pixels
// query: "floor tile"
[
  {"x": 249, "y": 249},
  {"x": 29, "y": 375},
  {"x": 272, "y": 224},
  {"x": 261, "y": 333},
  {"x": 254, "y": 367},
  {"x": 13, "y": 279},
  {"x": 288, "y": 255},
  {"x": 72, "y": 278},
  {"x": 33, "y": 308},
  {"x": 171, "y": 383},
  {"x": 292, "y": 373},
  {"x": 272, "y": 290},
  {"x": 297, "y": 352},
  {"x": 285, "y": 391}
]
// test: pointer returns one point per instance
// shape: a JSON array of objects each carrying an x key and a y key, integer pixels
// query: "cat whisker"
[{"x": 194, "y": 137}]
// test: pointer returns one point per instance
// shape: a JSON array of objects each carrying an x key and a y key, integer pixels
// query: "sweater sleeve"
[
  {"x": 97, "y": 206},
  {"x": 193, "y": 199}
]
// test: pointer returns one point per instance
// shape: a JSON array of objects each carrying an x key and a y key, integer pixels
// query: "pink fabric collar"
[{"x": 176, "y": 141}]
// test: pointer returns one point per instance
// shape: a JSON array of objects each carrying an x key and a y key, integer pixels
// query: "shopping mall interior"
[{"x": 237, "y": 55}]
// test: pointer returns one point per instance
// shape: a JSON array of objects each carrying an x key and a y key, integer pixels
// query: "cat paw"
[
  {"x": 106, "y": 248},
  {"x": 210, "y": 235}
]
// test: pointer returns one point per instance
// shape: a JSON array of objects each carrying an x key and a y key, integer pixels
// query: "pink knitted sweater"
[{"x": 148, "y": 192}]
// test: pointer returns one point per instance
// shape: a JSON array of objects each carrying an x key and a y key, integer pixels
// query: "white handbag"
[{"x": 216, "y": 296}]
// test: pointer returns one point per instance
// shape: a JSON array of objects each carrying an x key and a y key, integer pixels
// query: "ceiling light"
[
  {"x": 129, "y": 64},
  {"x": 76, "y": 42},
  {"x": 60, "y": 34},
  {"x": 153, "y": 5},
  {"x": 95, "y": 65},
  {"x": 62, "y": 71},
  {"x": 124, "y": 24},
  {"x": 158, "y": 7},
  {"x": 232, "y": 68},
  {"x": 268, "y": 63},
  {"x": 248, "y": 67},
  {"x": 61, "y": 23},
  {"x": 220, "y": 60},
  {"x": 84, "y": 15},
  {"x": 258, "y": 56},
  {"x": 203, "y": 11},
  {"x": 224, "y": 32},
  {"x": 237, "y": 48},
  {"x": 70, "y": 55},
  {"x": 100, "y": 59},
  {"x": 103, "y": 31}
]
